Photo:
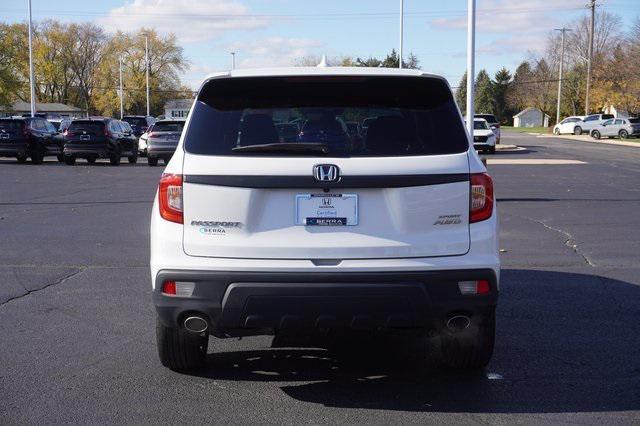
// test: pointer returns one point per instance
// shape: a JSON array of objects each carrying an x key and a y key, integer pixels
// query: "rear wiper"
[{"x": 284, "y": 147}]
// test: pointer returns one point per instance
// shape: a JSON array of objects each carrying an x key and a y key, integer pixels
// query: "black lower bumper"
[
  {"x": 155, "y": 152},
  {"x": 86, "y": 150},
  {"x": 237, "y": 304},
  {"x": 13, "y": 149}
]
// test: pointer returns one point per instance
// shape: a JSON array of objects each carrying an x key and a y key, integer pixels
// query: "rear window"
[
  {"x": 8, "y": 125},
  {"x": 607, "y": 116},
  {"x": 402, "y": 116},
  {"x": 489, "y": 117},
  {"x": 136, "y": 121},
  {"x": 634, "y": 120},
  {"x": 168, "y": 126},
  {"x": 91, "y": 127}
]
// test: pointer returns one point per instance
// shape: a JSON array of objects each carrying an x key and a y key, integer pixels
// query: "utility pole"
[
  {"x": 592, "y": 6},
  {"x": 233, "y": 60},
  {"x": 146, "y": 63},
  {"x": 563, "y": 31},
  {"x": 401, "y": 32},
  {"x": 32, "y": 82},
  {"x": 471, "y": 48},
  {"x": 121, "y": 91}
]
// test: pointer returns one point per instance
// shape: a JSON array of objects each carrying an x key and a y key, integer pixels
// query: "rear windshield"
[
  {"x": 8, "y": 125},
  {"x": 607, "y": 116},
  {"x": 91, "y": 127},
  {"x": 136, "y": 121},
  {"x": 489, "y": 117},
  {"x": 634, "y": 120},
  {"x": 399, "y": 116},
  {"x": 168, "y": 126}
]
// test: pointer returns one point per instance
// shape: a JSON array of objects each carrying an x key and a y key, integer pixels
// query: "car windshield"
[
  {"x": 402, "y": 116},
  {"x": 91, "y": 127},
  {"x": 480, "y": 125},
  {"x": 168, "y": 126},
  {"x": 136, "y": 121}
]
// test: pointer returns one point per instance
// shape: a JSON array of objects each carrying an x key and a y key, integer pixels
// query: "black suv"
[
  {"x": 94, "y": 138},
  {"x": 139, "y": 123},
  {"x": 163, "y": 139},
  {"x": 25, "y": 137}
]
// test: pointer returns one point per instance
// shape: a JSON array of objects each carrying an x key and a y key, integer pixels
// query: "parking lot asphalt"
[{"x": 77, "y": 337}]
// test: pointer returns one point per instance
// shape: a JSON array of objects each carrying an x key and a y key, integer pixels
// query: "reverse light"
[
  {"x": 170, "y": 197},
  {"x": 474, "y": 287},
  {"x": 481, "y": 197}
]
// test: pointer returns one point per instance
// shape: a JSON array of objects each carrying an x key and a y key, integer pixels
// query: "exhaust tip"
[
  {"x": 458, "y": 323},
  {"x": 195, "y": 324}
]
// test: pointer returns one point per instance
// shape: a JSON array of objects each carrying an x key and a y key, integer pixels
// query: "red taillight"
[
  {"x": 149, "y": 135},
  {"x": 474, "y": 287},
  {"x": 25, "y": 130},
  {"x": 481, "y": 197},
  {"x": 169, "y": 287},
  {"x": 170, "y": 197},
  {"x": 107, "y": 133},
  {"x": 482, "y": 287}
]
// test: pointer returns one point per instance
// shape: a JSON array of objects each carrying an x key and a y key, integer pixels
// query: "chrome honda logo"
[{"x": 326, "y": 173}]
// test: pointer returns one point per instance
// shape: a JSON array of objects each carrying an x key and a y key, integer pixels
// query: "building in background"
[
  {"x": 52, "y": 110},
  {"x": 531, "y": 117},
  {"x": 177, "y": 108}
]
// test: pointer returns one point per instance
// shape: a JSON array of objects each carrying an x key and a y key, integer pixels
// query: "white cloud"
[
  {"x": 273, "y": 51},
  {"x": 190, "y": 20}
]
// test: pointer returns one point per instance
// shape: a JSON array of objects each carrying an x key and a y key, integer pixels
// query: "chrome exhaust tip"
[
  {"x": 195, "y": 324},
  {"x": 458, "y": 323}
]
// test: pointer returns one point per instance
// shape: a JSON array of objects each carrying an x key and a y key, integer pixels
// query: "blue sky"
[{"x": 275, "y": 32}]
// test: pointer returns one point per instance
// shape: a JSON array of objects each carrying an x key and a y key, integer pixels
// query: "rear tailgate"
[{"x": 11, "y": 130}]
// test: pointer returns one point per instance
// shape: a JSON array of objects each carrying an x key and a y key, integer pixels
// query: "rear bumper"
[
  {"x": 160, "y": 151},
  {"x": 254, "y": 303},
  {"x": 13, "y": 149},
  {"x": 78, "y": 150}
]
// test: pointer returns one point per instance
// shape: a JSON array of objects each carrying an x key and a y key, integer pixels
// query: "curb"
[{"x": 591, "y": 140}]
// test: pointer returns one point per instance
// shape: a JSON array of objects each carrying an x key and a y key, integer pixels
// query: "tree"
[
  {"x": 483, "y": 102},
  {"x": 461, "y": 93},
  {"x": 500, "y": 90},
  {"x": 518, "y": 98}
]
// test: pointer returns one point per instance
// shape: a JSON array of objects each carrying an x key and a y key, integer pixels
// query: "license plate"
[
  {"x": 4, "y": 136},
  {"x": 327, "y": 209},
  {"x": 85, "y": 137}
]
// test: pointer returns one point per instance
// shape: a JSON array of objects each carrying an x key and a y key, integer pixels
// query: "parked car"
[
  {"x": 617, "y": 127},
  {"x": 590, "y": 122},
  {"x": 139, "y": 123},
  {"x": 99, "y": 137},
  {"x": 253, "y": 236},
  {"x": 58, "y": 122},
  {"x": 568, "y": 125},
  {"x": 163, "y": 140},
  {"x": 483, "y": 137},
  {"x": 25, "y": 137},
  {"x": 494, "y": 124}
]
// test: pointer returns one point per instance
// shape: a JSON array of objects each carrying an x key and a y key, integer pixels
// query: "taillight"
[
  {"x": 169, "y": 287},
  {"x": 481, "y": 197},
  {"x": 25, "y": 131},
  {"x": 107, "y": 133},
  {"x": 474, "y": 287},
  {"x": 149, "y": 135},
  {"x": 170, "y": 197}
]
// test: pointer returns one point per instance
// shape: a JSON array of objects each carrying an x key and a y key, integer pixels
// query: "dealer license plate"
[{"x": 327, "y": 209}]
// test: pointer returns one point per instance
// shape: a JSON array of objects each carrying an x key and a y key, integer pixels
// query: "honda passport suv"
[{"x": 395, "y": 231}]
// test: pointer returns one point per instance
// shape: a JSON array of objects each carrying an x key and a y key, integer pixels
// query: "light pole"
[
  {"x": 471, "y": 47},
  {"x": 592, "y": 5},
  {"x": 563, "y": 31},
  {"x": 121, "y": 91},
  {"x": 401, "y": 32},
  {"x": 32, "y": 82},
  {"x": 233, "y": 60},
  {"x": 146, "y": 65}
]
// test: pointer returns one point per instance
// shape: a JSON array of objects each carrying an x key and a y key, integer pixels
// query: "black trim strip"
[{"x": 296, "y": 182}]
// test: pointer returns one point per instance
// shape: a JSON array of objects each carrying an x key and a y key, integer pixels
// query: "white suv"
[{"x": 255, "y": 232}]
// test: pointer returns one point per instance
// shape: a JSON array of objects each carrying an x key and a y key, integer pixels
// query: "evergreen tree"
[
  {"x": 500, "y": 90},
  {"x": 461, "y": 94},
  {"x": 484, "y": 93}
]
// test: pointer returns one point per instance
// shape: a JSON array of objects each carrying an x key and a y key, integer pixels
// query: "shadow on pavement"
[{"x": 566, "y": 342}]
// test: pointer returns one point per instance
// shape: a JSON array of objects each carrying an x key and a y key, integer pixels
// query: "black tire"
[
  {"x": 577, "y": 130},
  {"x": 595, "y": 134},
  {"x": 470, "y": 349},
  {"x": 133, "y": 159},
  {"x": 623, "y": 134},
  {"x": 114, "y": 159},
  {"x": 69, "y": 160},
  {"x": 60, "y": 158},
  {"x": 556, "y": 131},
  {"x": 91, "y": 160},
  {"x": 153, "y": 161},
  {"x": 22, "y": 159},
  {"x": 180, "y": 350}
]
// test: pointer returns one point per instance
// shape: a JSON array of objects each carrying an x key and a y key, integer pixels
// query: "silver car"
[
  {"x": 621, "y": 127},
  {"x": 590, "y": 122}
]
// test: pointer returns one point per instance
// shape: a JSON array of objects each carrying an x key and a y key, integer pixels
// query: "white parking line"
[{"x": 533, "y": 161}]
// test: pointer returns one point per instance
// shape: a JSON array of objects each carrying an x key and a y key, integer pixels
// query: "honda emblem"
[{"x": 326, "y": 173}]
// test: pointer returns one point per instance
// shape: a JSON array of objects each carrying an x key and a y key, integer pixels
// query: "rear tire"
[
  {"x": 577, "y": 130},
  {"x": 623, "y": 134},
  {"x": 153, "y": 161},
  {"x": 180, "y": 350},
  {"x": 69, "y": 160},
  {"x": 470, "y": 349},
  {"x": 21, "y": 159},
  {"x": 60, "y": 158},
  {"x": 595, "y": 134},
  {"x": 133, "y": 159},
  {"x": 114, "y": 159},
  {"x": 91, "y": 160},
  {"x": 37, "y": 157}
]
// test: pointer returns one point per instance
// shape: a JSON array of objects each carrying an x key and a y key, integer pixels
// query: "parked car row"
[
  {"x": 86, "y": 138},
  {"x": 599, "y": 125}
]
